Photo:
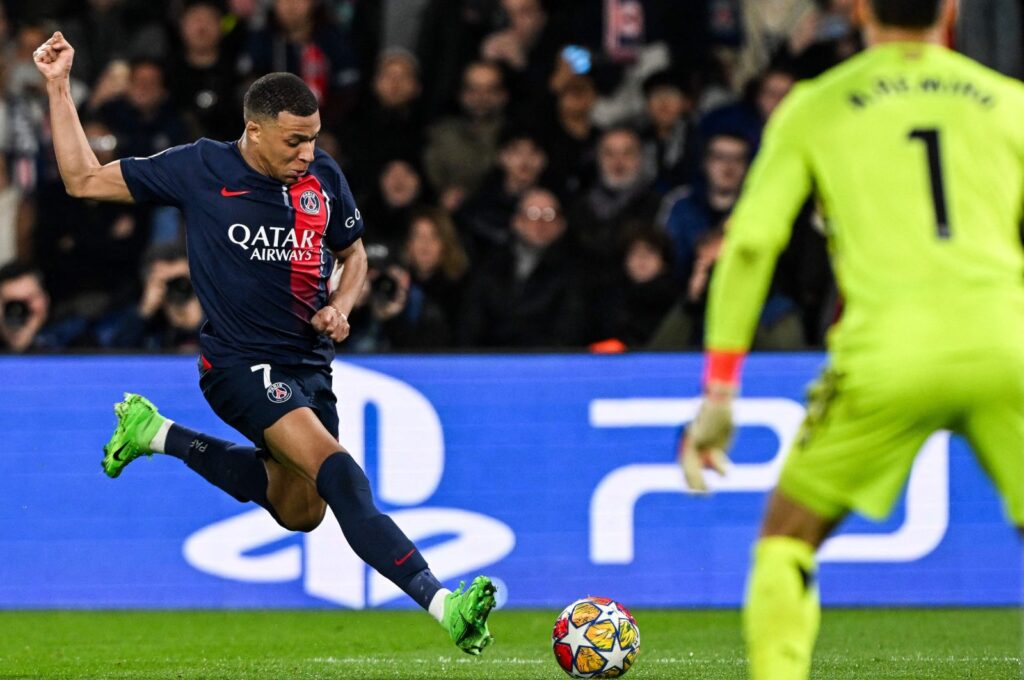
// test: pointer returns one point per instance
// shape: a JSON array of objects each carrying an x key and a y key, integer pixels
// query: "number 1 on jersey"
[{"x": 930, "y": 137}]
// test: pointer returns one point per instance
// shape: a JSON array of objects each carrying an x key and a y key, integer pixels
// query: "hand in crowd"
[
  {"x": 504, "y": 47},
  {"x": 112, "y": 83},
  {"x": 162, "y": 276},
  {"x": 707, "y": 253},
  {"x": 25, "y": 307},
  {"x": 389, "y": 301}
]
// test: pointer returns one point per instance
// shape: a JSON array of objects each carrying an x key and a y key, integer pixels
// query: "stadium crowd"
[{"x": 533, "y": 174}]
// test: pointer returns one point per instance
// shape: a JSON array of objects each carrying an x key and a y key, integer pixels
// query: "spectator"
[
  {"x": 689, "y": 212},
  {"x": 168, "y": 315},
  {"x": 144, "y": 119},
  {"x": 526, "y": 47},
  {"x": 486, "y": 216},
  {"x": 300, "y": 38},
  {"x": 832, "y": 36},
  {"x": 627, "y": 43},
  {"x": 668, "y": 131},
  {"x": 770, "y": 34},
  {"x": 203, "y": 74},
  {"x": 570, "y": 137},
  {"x": 386, "y": 26},
  {"x": 27, "y": 133},
  {"x": 391, "y": 117},
  {"x": 621, "y": 194},
  {"x": 111, "y": 84},
  {"x": 683, "y": 326},
  {"x": 645, "y": 290},
  {"x": 437, "y": 261},
  {"x": 89, "y": 252},
  {"x": 9, "y": 197},
  {"x": 461, "y": 149},
  {"x": 450, "y": 38},
  {"x": 780, "y": 326},
  {"x": 528, "y": 294},
  {"x": 748, "y": 116},
  {"x": 113, "y": 30},
  {"x": 399, "y": 190},
  {"x": 393, "y": 312},
  {"x": 25, "y": 323},
  {"x": 990, "y": 31},
  {"x": 25, "y": 307}
]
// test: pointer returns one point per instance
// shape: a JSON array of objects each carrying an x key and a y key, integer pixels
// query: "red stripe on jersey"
[{"x": 307, "y": 199}]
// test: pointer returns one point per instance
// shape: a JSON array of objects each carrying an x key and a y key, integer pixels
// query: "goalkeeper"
[{"x": 916, "y": 157}]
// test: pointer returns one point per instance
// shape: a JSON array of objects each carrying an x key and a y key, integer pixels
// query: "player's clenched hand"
[
  {"x": 332, "y": 323},
  {"x": 704, "y": 443},
  {"x": 53, "y": 58}
]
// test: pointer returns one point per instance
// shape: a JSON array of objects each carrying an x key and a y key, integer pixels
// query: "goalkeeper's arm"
[{"x": 761, "y": 225}]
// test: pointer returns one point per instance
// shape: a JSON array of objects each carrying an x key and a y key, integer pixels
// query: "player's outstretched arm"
[
  {"x": 82, "y": 173},
  {"x": 332, "y": 320}
]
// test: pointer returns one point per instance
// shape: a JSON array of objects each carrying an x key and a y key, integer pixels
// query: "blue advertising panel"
[{"x": 554, "y": 474}]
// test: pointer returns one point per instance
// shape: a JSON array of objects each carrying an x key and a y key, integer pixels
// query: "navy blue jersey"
[{"x": 260, "y": 252}]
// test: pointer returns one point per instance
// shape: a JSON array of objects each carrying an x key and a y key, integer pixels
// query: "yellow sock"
[{"x": 782, "y": 612}]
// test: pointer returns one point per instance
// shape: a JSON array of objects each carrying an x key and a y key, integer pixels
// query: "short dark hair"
[
  {"x": 515, "y": 133},
  {"x": 17, "y": 269},
  {"x": 667, "y": 78},
  {"x": 907, "y": 13},
  {"x": 277, "y": 92}
]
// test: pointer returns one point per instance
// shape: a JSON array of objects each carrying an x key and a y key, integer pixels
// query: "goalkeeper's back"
[{"x": 916, "y": 155}]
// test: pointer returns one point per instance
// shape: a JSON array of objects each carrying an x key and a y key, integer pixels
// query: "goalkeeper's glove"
[{"x": 705, "y": 442}]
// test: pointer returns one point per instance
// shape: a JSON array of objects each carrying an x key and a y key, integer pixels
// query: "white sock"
[
  {"x": 159, "y": 441},
  {"x": 437, "y": 604}
]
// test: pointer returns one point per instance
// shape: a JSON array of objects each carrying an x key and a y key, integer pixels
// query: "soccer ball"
[{"x": 595, "y": 638}]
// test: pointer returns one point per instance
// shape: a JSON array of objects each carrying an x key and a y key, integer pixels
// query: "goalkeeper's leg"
[{"x": 782, "y": 612}]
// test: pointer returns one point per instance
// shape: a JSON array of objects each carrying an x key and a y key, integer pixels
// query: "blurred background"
[{"x": 534, "y": 174}]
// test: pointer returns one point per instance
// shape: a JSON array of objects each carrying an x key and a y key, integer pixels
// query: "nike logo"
[
  {"x": 117, "y": 454},
  {"x": 224, "y": 191},
  {"x": 400, "y": 561}
]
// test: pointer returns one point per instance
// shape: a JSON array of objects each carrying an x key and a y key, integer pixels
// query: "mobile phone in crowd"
[{"x": 578, "y": 58}]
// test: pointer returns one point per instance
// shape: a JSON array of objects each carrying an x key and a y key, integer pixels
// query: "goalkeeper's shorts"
[{"x": 866, "y": 424}]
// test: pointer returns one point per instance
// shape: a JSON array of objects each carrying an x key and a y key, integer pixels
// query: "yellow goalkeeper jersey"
[{"x": 915, "y": 155}]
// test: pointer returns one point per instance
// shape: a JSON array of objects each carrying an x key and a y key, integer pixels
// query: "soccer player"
[
  {"x": 916, "y": 155},
  {"x": 266, "y": 218}
]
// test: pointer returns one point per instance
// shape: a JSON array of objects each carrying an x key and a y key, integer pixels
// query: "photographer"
[
  {"x": 25, "y": 307},
  {"x": 392, "y": 312},
  {"x": 168, "y": 315}
]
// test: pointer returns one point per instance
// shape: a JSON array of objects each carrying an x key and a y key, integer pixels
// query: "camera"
[
  {"x": 15, "y": 314},
  {"x": 384, "y": 287},
  {"x": 179, "y": 290}
]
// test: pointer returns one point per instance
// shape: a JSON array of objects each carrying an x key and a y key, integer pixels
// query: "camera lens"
[
  {"x": 179, "y": 290},
  {"x": 384, "y": 287},
  {"x": 15, "y": 314}
]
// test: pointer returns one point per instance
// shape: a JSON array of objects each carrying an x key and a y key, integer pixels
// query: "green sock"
[{"x": 782, "y": 612}]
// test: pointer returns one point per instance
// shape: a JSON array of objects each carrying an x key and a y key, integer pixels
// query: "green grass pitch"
[{"x": 982, "y": 644}]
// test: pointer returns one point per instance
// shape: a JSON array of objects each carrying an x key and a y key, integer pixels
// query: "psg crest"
[
  {"x": 279, "y": 392},
  {"x": 309, "y": 202}
]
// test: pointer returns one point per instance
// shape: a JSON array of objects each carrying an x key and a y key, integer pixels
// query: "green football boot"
[
  {"x": 137, "y": 424},
  {"x": 465, "y": 615}
]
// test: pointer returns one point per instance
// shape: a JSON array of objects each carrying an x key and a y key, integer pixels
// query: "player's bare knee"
[{"x": 786, "y": 517}]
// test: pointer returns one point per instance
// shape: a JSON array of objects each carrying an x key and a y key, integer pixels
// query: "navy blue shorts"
[{"x": 252, "y": 398}]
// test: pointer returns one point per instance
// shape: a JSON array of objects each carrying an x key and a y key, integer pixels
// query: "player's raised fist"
[
  {"x": 332, "y": 323},
  {"x": 53, "y": 58}
]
